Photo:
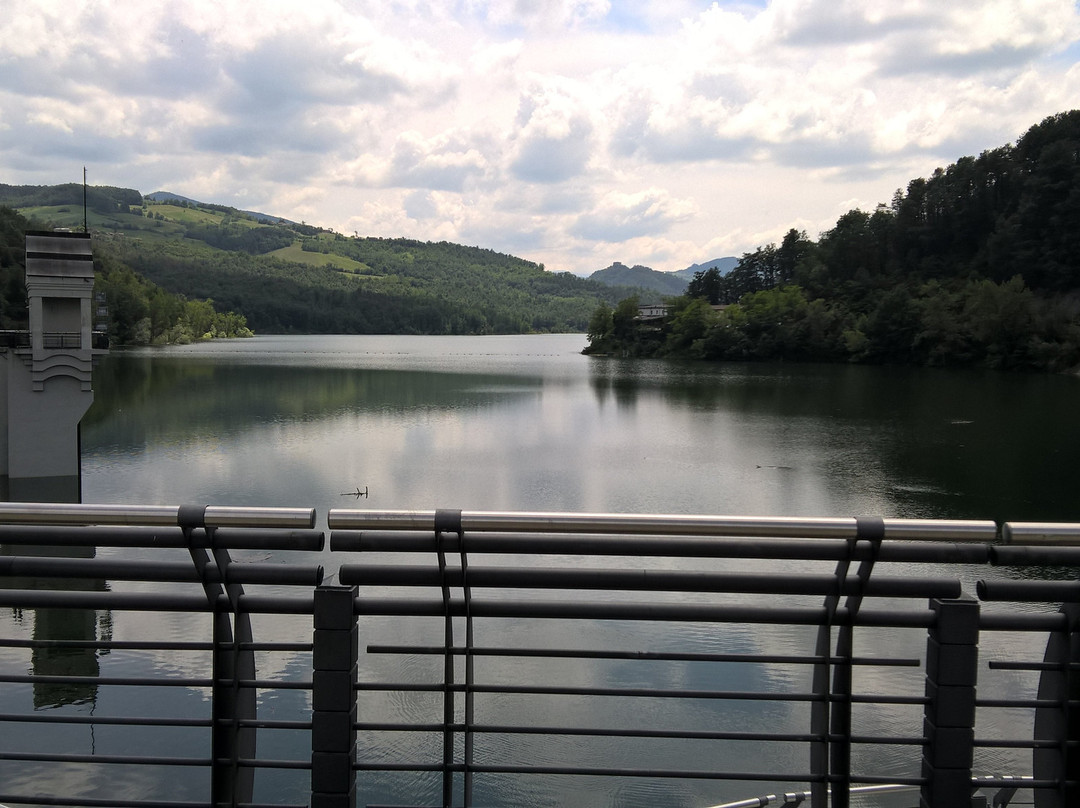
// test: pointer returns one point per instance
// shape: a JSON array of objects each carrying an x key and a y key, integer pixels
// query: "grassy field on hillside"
[
  {"x": 298, "y": 255},
  {"x": 71, "y": 216},
  {"x": 198, "y": 216}
]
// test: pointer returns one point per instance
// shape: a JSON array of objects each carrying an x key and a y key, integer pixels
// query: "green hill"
[
  {"x": 140, "y": 312},
  {"x": 287, "y": 277}
]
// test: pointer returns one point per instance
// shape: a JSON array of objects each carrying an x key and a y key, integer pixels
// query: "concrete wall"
[{"x": 43, "y": 426}]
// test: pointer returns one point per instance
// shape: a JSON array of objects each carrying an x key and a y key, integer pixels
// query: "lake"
[{"x": 528, "y": 423}]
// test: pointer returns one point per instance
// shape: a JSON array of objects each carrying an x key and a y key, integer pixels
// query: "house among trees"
[{"x": 652, "y": 311}]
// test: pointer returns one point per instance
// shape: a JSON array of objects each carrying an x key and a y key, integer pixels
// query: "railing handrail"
[
  {"x": 671, "y": 524},
  {"x": 1041, "y": 533},
  {"x": 547, "y": 522},
  {"x": 33, "y": 513}
]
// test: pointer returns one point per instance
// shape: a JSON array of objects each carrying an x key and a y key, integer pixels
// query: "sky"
[{"x": 574, "y": 133}]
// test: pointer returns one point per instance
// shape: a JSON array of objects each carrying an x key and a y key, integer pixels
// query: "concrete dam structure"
[{"x": 46, "y": 372}]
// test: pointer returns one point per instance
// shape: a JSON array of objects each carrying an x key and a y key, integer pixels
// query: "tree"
[
  {"x": 853, "y": 245},
  {"x": 1002, "y": 318},
  {"x": 623, "y": 318},
  {"x": 706, "y": 284},
  {"x": 690, "y": 320},
  {"x": 791, "y": 255},
  {"x": 748, "y": 276},
  {"x": 601, "y": 326},
  {"x": 199, "y": 318},
  {"x": 13, "y": 227},
  {"x": 891, "y": 326}
]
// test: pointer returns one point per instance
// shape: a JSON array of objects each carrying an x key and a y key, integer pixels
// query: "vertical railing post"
[
  {"x": 830, "y": 713},
  {"x": 233, "y": 708},
  {"x": 448, "y": 522},
  {"x": 335, "y": 653},
  {"x": 952, "y": 660}
]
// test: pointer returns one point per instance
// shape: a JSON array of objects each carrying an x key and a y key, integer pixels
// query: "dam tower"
[{"x": 46, "y": 371}]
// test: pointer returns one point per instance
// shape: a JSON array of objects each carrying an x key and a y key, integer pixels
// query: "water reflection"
[
  {"x": 526, "y": 423},
  {"x": 930, "y": 442},
  {"x": 64, "y": 639}
]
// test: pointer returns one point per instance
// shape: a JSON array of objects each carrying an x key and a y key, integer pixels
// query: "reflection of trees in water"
[
  {"x": 621, "y": 379},
  {"x": 168, "y": 397},
  {"x": 949, "y": 443},
  {"x": 64, "y": 639}
]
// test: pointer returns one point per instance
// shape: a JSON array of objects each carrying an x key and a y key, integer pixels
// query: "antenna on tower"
[{"x": 84, "y": 227}]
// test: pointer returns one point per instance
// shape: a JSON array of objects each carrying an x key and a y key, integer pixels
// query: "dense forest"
[
  {"x": 140, "y": 312},
  {"x": 285, "y": 277},
  {"x": 374, "y": 286},
  {"x": 979, "y": 264}
]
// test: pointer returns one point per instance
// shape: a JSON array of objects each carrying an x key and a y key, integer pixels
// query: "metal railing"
[
  {"x": 61, "y": 339},
  {"x": 54, "y": 340},
  {"x": 215, "y": 716},
  {"x": 555, "y": 658},
  {"x": 14, "y": 338}
]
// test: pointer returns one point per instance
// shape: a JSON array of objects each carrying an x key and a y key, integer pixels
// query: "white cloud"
[
  {"x": 621, "y": 217},
  {"x": 445, "y": 162},
  {"x": 552, "y": 135},
  {"x": 544, "y": 14},
  {"x": 573, "y": 129},
  {"x": 495, "y": 58},
  {"x": 51, "y": 120}
]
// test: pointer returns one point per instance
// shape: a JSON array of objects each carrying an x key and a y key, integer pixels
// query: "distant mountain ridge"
[
  {"x": 618, "y": 274},
  {"x": 664, "y": 283}
]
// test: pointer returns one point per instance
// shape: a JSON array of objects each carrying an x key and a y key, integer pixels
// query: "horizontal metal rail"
[
  {"x": 590, "y": 544},
  {"x": 649, "y": 612},
  {"x": 61, "y": 339},
  {"x": 163, "y": 515},
  {"x": 162, "y": 571},
  {"x": 166, "y": 537},
  {"x": 557, "y": 653},
  {"x": 646, "y": 580},
  {"x": 154, "y": 602},
  {"x": 675, "y": 525},
  {"x": 1041, "y": 533}
]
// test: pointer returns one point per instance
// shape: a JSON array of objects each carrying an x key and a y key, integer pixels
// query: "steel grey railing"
[
  {"x": 490, "y": 597},
  {"x": 48, "y": 566},
  {"x": 853, "y": 596}
]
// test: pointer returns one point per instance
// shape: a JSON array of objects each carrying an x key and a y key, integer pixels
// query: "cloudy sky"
[{"x": 571, "y": 132}]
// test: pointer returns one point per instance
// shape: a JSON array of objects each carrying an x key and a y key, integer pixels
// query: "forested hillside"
[
  {"x": 286, "y": 277},
  {"x": 979, "y": 264},
  {"x": 140, "y": 312}
]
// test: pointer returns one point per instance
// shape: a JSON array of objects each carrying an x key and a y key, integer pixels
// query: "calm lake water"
[{"x": 528, "y": 423}]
